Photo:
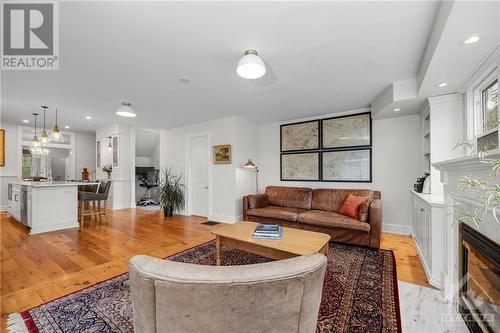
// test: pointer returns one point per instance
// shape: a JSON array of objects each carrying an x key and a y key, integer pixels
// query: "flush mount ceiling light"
[
  {"x": 88, "y": 117},
  {"x": 441, "y": 85},
  {"x": 66, "y": 127},
  {"x": 26, "y": 121},
  {"x": 56, "y": 135},
  {"x": 471, "y": 39},
  {"x": 397, "y": 109},
  {"x": 251, "y": 66},
  {"x": 126, "y": 110}
]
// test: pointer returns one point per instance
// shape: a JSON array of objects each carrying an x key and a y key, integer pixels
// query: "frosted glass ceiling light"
[
  {"x": 126, "y": 110},
  {"x": 251, "y": 66}
]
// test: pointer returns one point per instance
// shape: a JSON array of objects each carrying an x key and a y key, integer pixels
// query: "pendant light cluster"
[
  {"x": 38, "y": 146},
  {"x": 36, "y": 149}
]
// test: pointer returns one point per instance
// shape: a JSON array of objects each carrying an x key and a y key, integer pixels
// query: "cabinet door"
[{"x": 427, "y": 246}]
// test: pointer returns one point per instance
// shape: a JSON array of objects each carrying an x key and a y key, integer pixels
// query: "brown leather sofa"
[{"x": 317, "y": 210}]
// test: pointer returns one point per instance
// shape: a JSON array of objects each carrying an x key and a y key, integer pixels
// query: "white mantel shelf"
[{"x": 466, "y": 163}]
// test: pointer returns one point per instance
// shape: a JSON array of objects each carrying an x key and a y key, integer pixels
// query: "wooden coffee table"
[{"x": 294, "y": 242}]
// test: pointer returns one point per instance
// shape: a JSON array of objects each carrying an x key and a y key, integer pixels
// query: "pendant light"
[
  {"x": 36, "y": 150},
  {"x": 110, "y": 146},
  {"x": 251, "y": 66},
  {"x": 45, "y": 137},
  {"x": 56, "y": 135},
  {"x": 126, "y": 110},
  {"x": 35, "y": 141}
]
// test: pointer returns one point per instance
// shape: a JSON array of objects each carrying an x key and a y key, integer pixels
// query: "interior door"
[{"x": 199, "y": 175}]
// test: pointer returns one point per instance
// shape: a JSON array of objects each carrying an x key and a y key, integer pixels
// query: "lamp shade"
[
  {"x": 126, "y": 110},
  {"x": 250, "y": 165},
  {"x": 251, "y": 66}
]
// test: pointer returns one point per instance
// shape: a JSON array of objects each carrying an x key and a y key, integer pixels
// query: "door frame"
[{"x": 187, "y": 171}]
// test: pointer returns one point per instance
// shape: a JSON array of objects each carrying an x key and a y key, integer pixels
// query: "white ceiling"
[{"x": 322, "y": 57}]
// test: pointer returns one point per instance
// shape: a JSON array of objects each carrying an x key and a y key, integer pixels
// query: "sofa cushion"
[
  {"x": 257, "y": 201},
  {"x": 274, "y": 212},
  {"x": 332, "y": 199},
  {"x": 364, "y": 209},
  {"x": 331, "y": 219},
  {"x": 351, "y": 205},
  {"x": 295, "y": 197}
]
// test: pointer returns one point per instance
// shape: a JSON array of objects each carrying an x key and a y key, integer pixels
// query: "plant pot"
[{"x": 168, "y": 211}]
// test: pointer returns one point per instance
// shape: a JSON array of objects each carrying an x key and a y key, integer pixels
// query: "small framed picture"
[
  {"x": 300, "y": 166},
  {"x": 347, "y": 165},
  {"x": 222, "y": 154},
  {"x": 346, "y": 131},
  {"x": 299, "y": 136}
]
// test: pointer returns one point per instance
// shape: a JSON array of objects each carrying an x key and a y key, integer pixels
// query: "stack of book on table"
[{"x": 268, "y": 231}]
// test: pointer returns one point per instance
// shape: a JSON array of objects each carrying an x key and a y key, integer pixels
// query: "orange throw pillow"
[{"x": 351, "y": 204}]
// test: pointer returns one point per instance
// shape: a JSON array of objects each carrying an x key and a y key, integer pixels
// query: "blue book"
[{"x": 276, "y": 236}]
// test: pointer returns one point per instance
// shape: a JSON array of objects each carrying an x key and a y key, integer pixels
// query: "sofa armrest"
[
  {"x": 375, "y": 219},
  {"x": 245, "y": 207}
]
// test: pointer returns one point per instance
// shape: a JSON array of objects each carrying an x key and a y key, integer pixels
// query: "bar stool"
[{"x": 86, "y": 198}]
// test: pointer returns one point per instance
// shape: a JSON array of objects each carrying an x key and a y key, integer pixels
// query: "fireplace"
[{"x": 479, "y": 298}]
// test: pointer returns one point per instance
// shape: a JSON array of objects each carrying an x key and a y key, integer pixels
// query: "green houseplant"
[{"x": 171, "y": 192}]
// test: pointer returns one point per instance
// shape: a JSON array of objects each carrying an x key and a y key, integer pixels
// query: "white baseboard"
[
  {"x": 4, "y": 208},
  {"x": 60, "y": 226},
  {"x": 225, "y": 218},
  {"x": 396, "y": 229}
]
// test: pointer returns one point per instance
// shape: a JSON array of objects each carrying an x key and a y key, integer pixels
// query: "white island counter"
[{"x": 45, "y": 206}]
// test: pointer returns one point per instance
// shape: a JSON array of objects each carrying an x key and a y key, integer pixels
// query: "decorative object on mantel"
[
  {"x": 336, "y": 149},
  {"x": 2, "y": 147},
  {"x": 56, "y": 135},
  {"x": 350, "y": 299},
  {"x": 222, "y": 154},
  {"x": 171, "y": 192},
  {"x": 486, "y": 191},
  {"x": 251, "y": 165},
  {"x": 108, "y": 169}
]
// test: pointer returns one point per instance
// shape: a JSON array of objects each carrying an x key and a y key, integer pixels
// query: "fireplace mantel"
[{"x": 451, "y": 172}]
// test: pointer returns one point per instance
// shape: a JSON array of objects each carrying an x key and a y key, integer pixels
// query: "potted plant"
[{"x": 171, "y": 192}]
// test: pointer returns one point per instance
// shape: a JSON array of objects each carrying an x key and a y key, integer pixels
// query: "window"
[
  {"x": 489, "y": 101},
  {"x": 485, "y": 105}
]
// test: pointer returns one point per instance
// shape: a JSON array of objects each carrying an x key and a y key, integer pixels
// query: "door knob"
[{"x": 206, "y": 187}]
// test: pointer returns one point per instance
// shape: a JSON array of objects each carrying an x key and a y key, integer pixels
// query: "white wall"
[
  {"x": 8, "y": 173},
  {"x": 227, "y": 182},
  {"x": 142, "y": 161},
  {"x": 396, "y": 164},
  {"x": 84, "y": 153}
]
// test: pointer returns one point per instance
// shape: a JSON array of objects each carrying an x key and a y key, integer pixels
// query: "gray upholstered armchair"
[{"x": 279, "y": 296}]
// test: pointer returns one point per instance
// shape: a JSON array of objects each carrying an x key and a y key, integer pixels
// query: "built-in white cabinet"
[
  {"x": 427, "y": 226},
  {"x": 14, "y": 202}
]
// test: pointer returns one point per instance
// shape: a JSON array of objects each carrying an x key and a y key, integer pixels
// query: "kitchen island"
[{"x": 45, "y": 206}]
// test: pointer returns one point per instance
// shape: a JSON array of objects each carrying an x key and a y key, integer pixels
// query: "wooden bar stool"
[{"x": 90, "y": 203}]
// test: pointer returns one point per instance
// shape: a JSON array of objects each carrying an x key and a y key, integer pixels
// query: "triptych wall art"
[{"x": 337, "y": 149}]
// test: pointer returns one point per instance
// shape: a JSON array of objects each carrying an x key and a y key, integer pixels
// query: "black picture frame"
[
  {"x": 322, "y": 131},
  {"x": 317, "y": 153},
  {"x": 318, "y": 124},
  {"x": 370, "y": 163}
]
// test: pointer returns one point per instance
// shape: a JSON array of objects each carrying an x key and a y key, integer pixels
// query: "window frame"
[{"x": 478, "y": 104}]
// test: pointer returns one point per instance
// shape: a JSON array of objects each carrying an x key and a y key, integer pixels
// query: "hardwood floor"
[{"x": 39, "y": 268}]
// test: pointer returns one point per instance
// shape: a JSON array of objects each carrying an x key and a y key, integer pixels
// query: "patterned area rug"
[{"x": 360, "y": 295}]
